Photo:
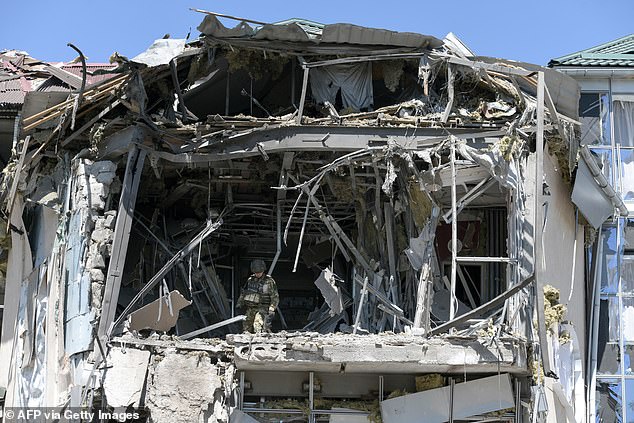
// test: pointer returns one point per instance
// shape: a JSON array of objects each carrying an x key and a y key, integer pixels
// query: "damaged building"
[{"x": 411, "y": 200}]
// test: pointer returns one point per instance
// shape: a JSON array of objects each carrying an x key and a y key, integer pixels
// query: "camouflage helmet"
[{"x": 258, "y": 266}]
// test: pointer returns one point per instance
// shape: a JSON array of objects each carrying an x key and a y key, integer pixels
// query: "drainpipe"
[
  {"x": 594, "y": 320},
  {"x": 595, "y": 73}
]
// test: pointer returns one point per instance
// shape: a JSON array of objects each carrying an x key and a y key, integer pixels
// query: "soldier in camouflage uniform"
[{"x": 260, "y": 298}]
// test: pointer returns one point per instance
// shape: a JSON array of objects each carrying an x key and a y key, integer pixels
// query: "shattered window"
[
  {"x": 626, "y": 174},
  {"x": 627, "y": 319},
  {"x": 609, "y": 265},
  {"x": 624, "y": 123},
  {"x": 615, "y": 343},
  {"x": 608, "y": 401},
  {"x": 629, "y": 399},
  {"x": 594, "y": 112},
  {"x": 628, "y": 360},
  {"x": 609, "y": 318},
  {"x": 608, "y": 358},
  {"x": 627, "y": 274}
]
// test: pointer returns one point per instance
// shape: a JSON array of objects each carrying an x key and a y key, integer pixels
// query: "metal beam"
[
  {"x": 320, "y": 138},
  {"x": 134, "y": 168},
  {"x": 212, "y": 327},
  {"x": 496, "y": 302},
  {"x": 454, "y": 232},
  {"x": 540, "y": 271},
  {"x": 302, "y": 99},
  {"x": 496, "y": 68}
]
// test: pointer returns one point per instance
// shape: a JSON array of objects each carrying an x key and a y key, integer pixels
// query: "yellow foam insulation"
[
  {"x": 553, "y": 311},
  {"x": 420, "y": 204},
  {"x": 430, "y": 381}
]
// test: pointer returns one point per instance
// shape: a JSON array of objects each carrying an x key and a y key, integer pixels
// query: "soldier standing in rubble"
[{"x": 260, "y": 298}]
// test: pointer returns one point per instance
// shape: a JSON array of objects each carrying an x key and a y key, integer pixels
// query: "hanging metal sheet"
[{"x": 589, "y": 197}]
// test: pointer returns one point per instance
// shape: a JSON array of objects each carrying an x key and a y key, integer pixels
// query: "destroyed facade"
[{"x": 412, "y": 201}]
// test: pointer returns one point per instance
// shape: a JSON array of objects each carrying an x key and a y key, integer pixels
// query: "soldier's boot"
[{"x": 248, "y": 323}]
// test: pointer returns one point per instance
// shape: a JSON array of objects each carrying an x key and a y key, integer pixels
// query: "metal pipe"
[
  {"x": 594, "y": 320},
  {"x": 486, "y": 259},
  {"x": 212, "y": 327},
  {"x": 80, "y": 96},
  {"x": 452, "y": 384},
  {"x": 454, "y": 232},
  {"x": 279, "y": 238},
  {"x": 241, "y": 399},
  {"x": 474, "y": 193},
  {"x": 311, "y": 397},
  {"x": 301, "y": 234},
  {"x": 518, "y": 404},
  {"x": 222, "y": 15},
  {"x": 364, "y": 292},
  {"x": 594, "y": 73}
]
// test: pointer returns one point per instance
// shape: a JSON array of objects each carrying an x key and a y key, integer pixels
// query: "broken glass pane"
[
  {"x": 608, "y": 401},
  {"x": 624, "y": 123},
  {"x": 626, "y": 181},
  {"x": 609, "y": 265},
  {"x": 609, "y": 319},
  {"x": 594, "y": 112},
  {"x": 629, "y": 399},
  {"x": 608, "y": 358},
  {"x": 627, "y": 274},
  {"x": 627, "y": 319},
  {"x": 628, "y": 359}
]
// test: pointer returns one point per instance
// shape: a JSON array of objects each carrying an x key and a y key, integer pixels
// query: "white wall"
[{"x": 564, "y": 264}]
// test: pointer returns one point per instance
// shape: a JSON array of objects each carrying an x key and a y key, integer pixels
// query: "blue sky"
[{"x": 533, "y": 31}]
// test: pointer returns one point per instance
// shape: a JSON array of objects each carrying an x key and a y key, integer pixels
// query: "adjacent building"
[{"x": 605, "y": 74}]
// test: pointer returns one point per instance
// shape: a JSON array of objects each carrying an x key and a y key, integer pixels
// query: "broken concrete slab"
[
  {"x": 185, "y": 388},
  {"x": 469, "y": 399},
  {"x": 387, "y": 353},
  {"x": 160, "y": 314},
  {"x": 125, "y": 377},
  {"x": 326, "y": 284}
]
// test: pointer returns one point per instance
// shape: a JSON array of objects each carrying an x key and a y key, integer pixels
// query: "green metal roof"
[{"x": 619, "y": 52}]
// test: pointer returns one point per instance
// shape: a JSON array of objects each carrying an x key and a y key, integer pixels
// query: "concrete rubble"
[{"x": 402, "y": 191}]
